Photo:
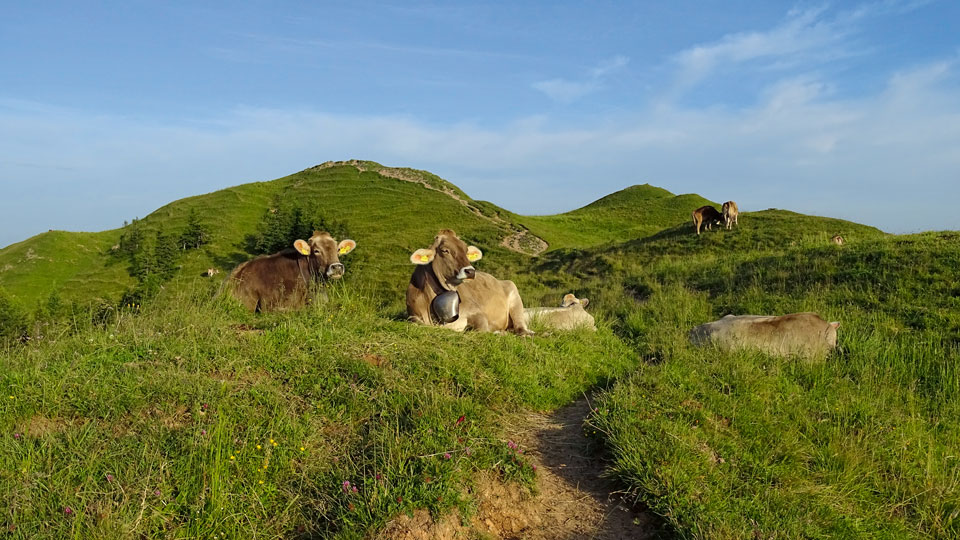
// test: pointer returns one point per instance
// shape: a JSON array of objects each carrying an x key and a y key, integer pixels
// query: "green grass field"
[{"x": 188, "y": 417}]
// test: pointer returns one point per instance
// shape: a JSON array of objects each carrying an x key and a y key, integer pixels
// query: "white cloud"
[
  {"x": 888, "y": 159},
  {"x": 566, "y": 91}
]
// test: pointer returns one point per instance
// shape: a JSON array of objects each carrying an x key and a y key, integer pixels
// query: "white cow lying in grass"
[
  {"x": 803, "y": 334},
  {"x": 571, "y": 314}
]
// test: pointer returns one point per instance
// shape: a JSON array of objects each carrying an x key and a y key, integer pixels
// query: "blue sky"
[{"x": 109, "y": 110}]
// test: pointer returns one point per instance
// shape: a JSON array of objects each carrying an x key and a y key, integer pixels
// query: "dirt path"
[{"x": 573, "y": 501}]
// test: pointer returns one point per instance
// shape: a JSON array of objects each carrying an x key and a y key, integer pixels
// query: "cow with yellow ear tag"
[
  {"x": 446, "y": 290},
  {"x": 281, "y": 280}
]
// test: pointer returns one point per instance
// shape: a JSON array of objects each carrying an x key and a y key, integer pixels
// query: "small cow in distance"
[
  {"x": 837, "y": 239},
  {"x": 570, "y": 315},
  {"x": 730, "y": 214},
  {"x": 803, "y": 334},
  {"x": 706, "y": 216},
  {"x": 467, "y": 298},
  {"x": 282, "y": 280}
]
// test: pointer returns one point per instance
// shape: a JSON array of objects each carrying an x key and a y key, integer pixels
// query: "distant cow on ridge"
[
  {"x": 706, "y": 216},
  {"x": 730, "y": 213},
  {"x": 281, "y": 280},
  {"x": 469, "y": 299},
  {"x": 804, "y": 334}
]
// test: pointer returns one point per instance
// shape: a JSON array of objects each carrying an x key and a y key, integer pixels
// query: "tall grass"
[
  {"x": 189, "y": 417},
  {"x": 741, "y": 445}
]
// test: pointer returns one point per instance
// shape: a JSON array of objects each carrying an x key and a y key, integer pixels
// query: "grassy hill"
[
  {"x": 634, "y": 212},
  {"x": 189, "y": 417}
]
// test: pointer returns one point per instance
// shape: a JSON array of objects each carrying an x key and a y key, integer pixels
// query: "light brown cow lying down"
[
  {"x": 803, "y": 334},
  {"x": 486, "y": 303},
  {"x": 571, "y": 314}
]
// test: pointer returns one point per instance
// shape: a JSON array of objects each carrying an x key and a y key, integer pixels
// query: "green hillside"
[
  {"x": 389, "y": 217},
  {"x": 188, "y": 417},
  {"x": 389, "y": 212},
  {"x": 634, "y": 212}
]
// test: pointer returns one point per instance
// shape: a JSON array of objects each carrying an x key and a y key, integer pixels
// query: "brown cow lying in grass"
[
  {"x": 485, "y": 303},
  {"x": 281, "y": 280},
  {"x": 803, "y": 334},
  {"x": 570, "y": 315}
]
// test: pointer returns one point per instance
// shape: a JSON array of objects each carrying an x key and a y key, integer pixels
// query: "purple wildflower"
[
  {"x": 379, "y": 477},
  {"x": 109, "y": 478},
  {"x": 156, "y": 492},
  {"x": 446, "y": 455},
  {"x": 354, "y": 489},
  {"x": 345, "y": 486},
  {"x": 203, "y": 432},
  {"x": 67, "y": 511},
  {"x": 17, "y": 435}
]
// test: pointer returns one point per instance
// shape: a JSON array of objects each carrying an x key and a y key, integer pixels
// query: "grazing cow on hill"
[
  {"x": 571, "y": 314},
  {"x": 803, "y": 334},
  {"x": 706, "y": 216},
  {"x": 281, "y": 280},
  {"x": 730, "y": 213},
  {"x": 837, "y": 239},
  {"x": 447, "y": 290}
]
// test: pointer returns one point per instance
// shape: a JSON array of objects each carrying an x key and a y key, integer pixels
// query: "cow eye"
[{"x": 444, "y": 251}]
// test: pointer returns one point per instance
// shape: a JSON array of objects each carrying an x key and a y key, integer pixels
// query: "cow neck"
[
  {"x": 433, "y": 281},
  {"x": 304, "y": 273}
]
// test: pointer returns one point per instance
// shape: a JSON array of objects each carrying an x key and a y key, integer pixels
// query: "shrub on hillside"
[{"x": 13, "y": 319}]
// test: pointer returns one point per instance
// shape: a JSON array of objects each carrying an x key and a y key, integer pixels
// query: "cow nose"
[
  {"x": 470, "y": 272},
  {"x": 335, "y": 270}
]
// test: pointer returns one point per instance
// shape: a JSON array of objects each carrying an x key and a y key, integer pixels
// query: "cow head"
[
  {"x": 450, "y": 258},
  {"x": 324, "y": 253},
  {"x": 570, "y": 300}
]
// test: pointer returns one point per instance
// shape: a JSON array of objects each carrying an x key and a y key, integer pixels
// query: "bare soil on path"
[{"x": 572, "y": 501}]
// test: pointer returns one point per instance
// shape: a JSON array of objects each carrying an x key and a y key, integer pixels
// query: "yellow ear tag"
[
  {"x": 305, "y": 250},
  {"x": 473, "y": 256},
  {"x": 424, "y": 258},
  {"x": 344, "y": 249}
]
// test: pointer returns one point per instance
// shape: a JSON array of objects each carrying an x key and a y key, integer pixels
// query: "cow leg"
[{"x": 518, "y": 319}]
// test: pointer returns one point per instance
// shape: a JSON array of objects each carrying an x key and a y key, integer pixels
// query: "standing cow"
[
  {"x": 803, "y": 334},
  {"x": 470, "y": 299},
  {"x": 706, "y": 216},
  {"x": 730, "y": 213},
  {"x": 282, "y": 280}
]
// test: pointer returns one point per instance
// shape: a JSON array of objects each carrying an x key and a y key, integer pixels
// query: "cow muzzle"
[
  {"x": 467, "y": 272},
  {"x": 335, "y": 271}
]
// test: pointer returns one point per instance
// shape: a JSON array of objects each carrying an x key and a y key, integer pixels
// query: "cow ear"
[
  {"x": 422, "y": 256},
  {"x": 835, "y": 324},
  {"x": 584, "y": 302},
  {"x": 474, "y": 254},
  {"x": 346, "y": 246},
  {"x": 302, "y": 247}
]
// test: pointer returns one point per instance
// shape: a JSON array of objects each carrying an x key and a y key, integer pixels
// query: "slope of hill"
[
  {"x": 189, "y": 417},
  {"x": 389, "y": 211},
  {"x": 634, "y": 212}
]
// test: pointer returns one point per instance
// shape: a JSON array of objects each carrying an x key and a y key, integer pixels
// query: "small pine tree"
[
  {"x": 165, "y": 255},
  {"x": 196, "y": 234},
  {"x": 13, "y": 319}
]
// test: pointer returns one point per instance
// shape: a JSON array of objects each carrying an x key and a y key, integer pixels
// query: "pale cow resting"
[
  {"x": 801, "y": 334},
  {"x": 485, "y": 303},
  {"x": 570, "y": 315},
  {"x": 730, "y": 214}
]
